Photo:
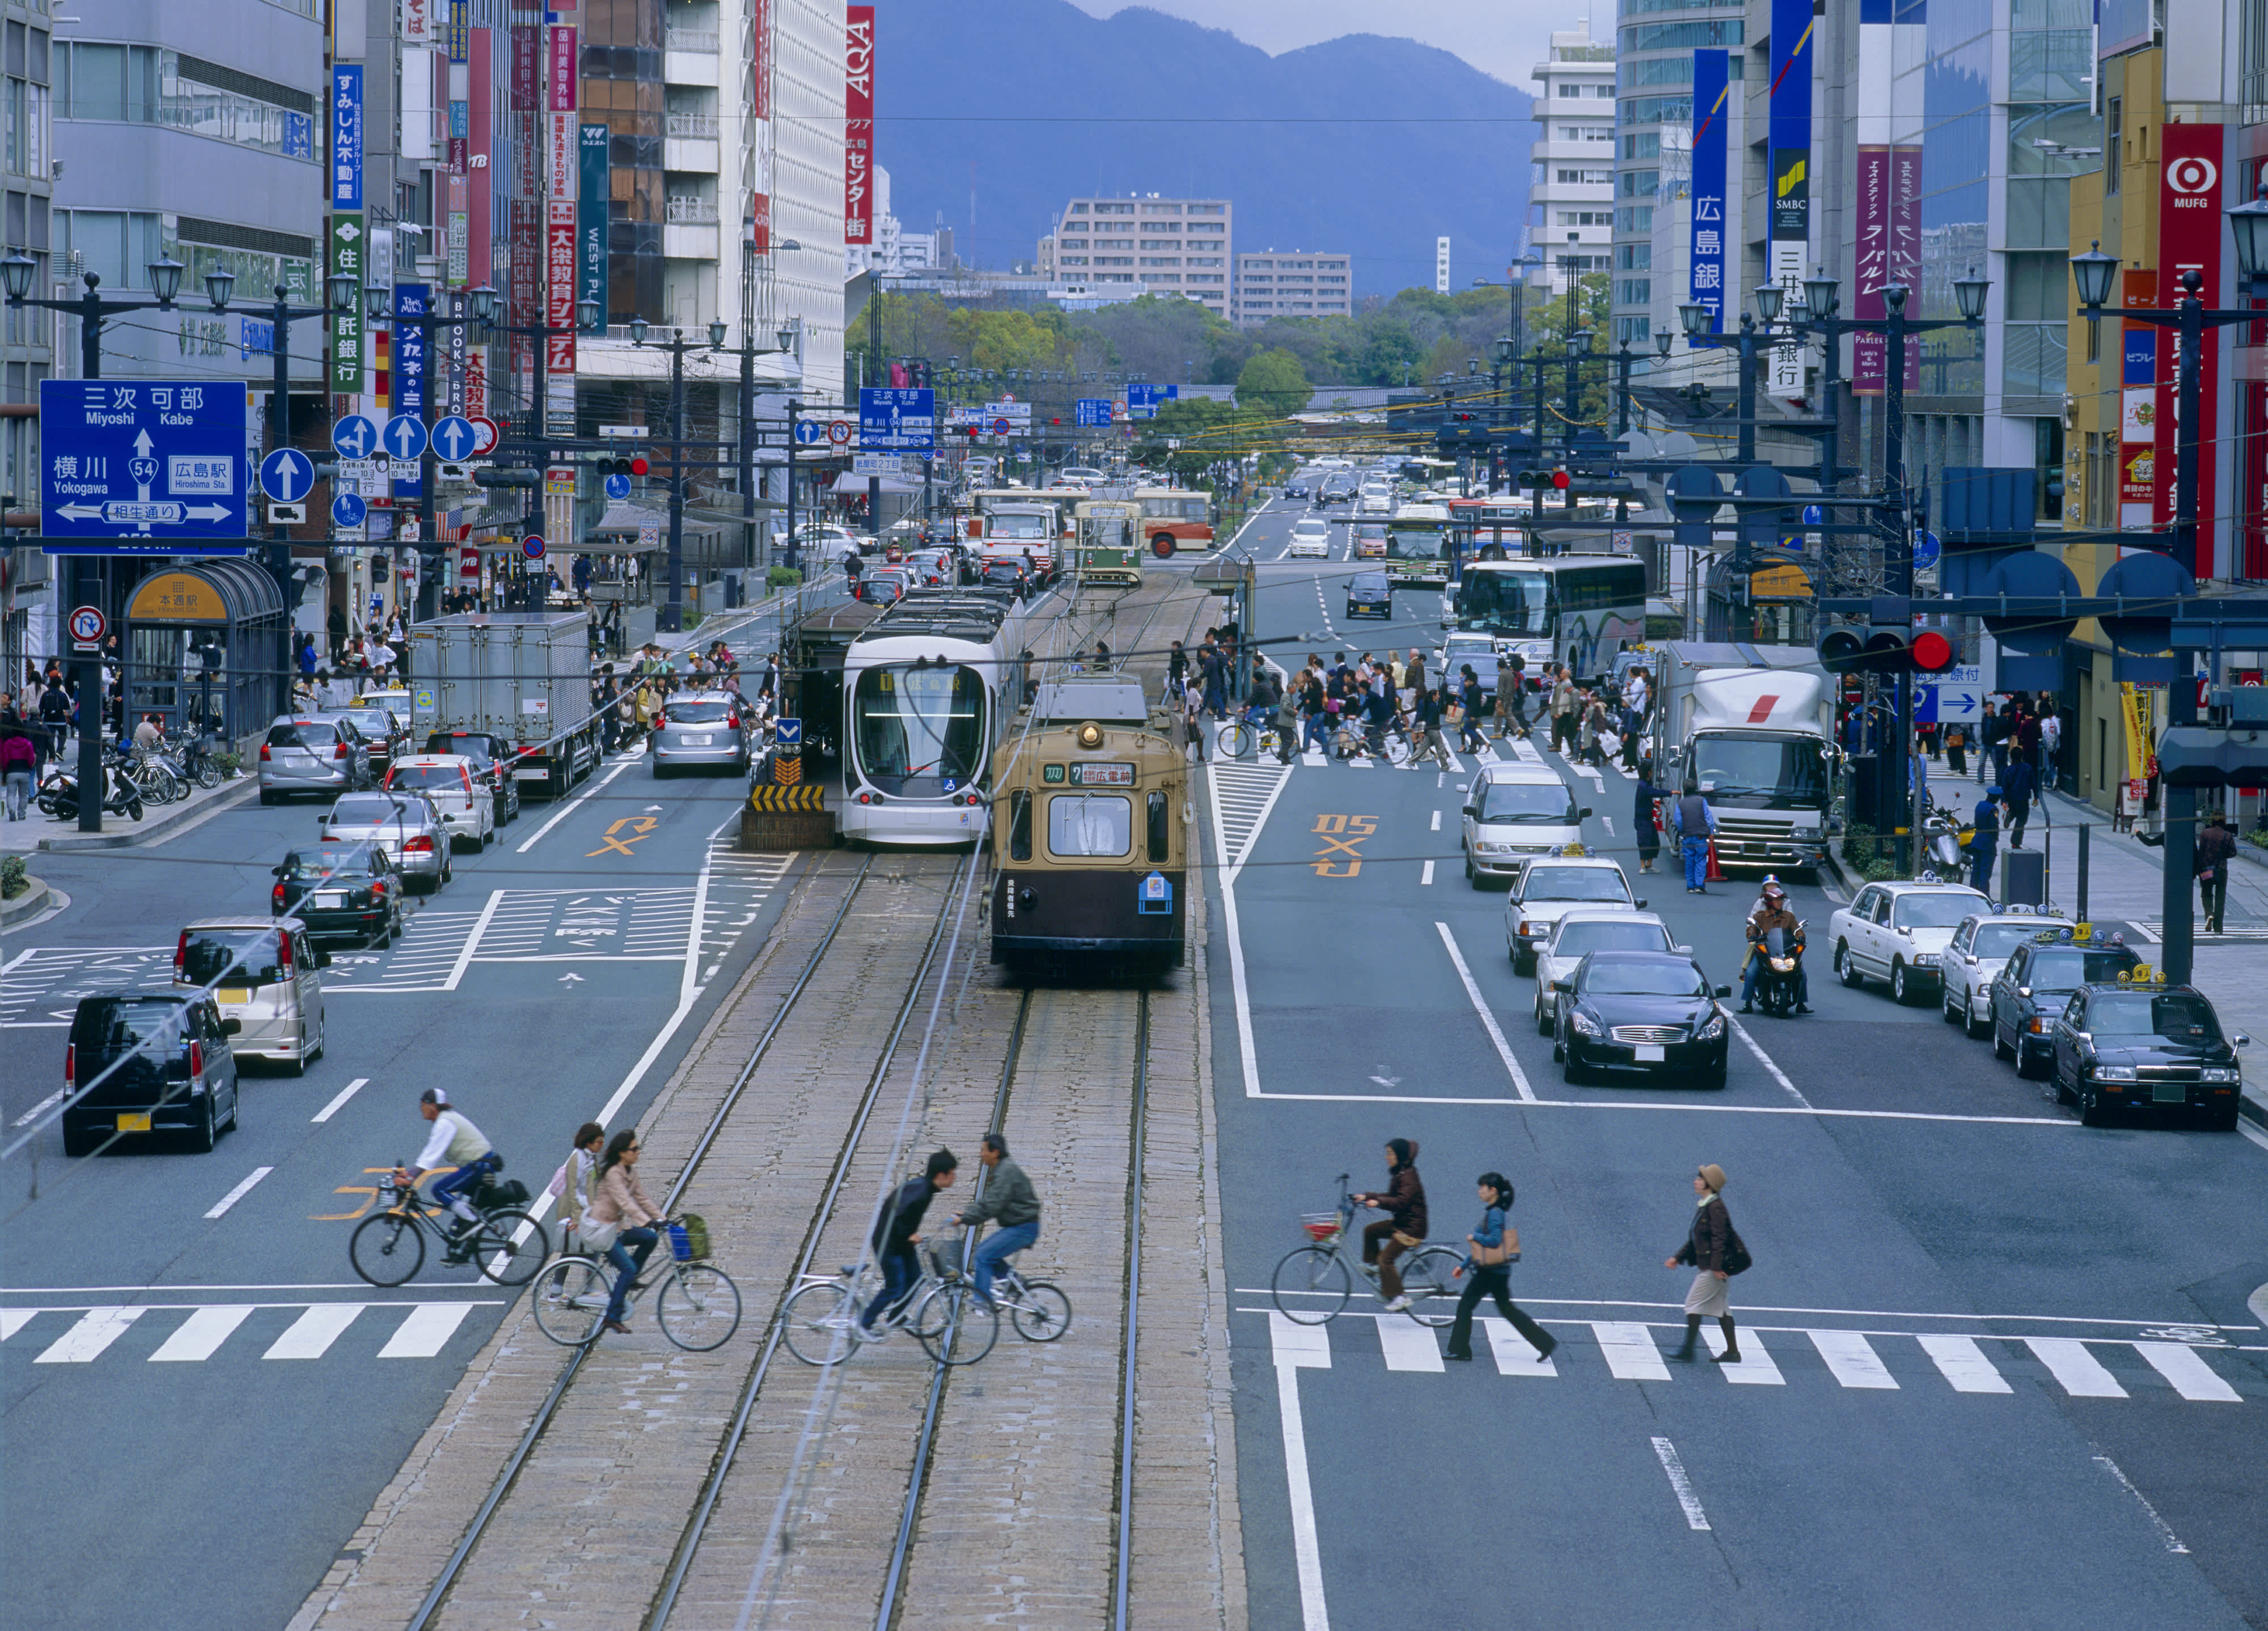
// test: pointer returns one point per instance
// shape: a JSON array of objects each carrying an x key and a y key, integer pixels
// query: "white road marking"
[
  {"x": 97, "y": 1329},
  {"x": 45, "y": 1104},
  {"x": 240, "y": 1190},
  {"x": 1608, "y": 823},
  {"x": 202, "y": 1332},
  {"x": 1514, "y": 1355},
  {"x": 2252, "y": 1131},
  {"x": 1765, "y": 1060},
  {"x": 1852, "y": 1359},
  {"x": 1488, "y": 1021},
  {"x": 1680, "y": 1486},
  {"x": 14, "y": 1319},
  {"x": 1408, "y": 1345},
  {"x": 1295, "y": 1346},
  {"x": 2166, "y": 1536},
  {"x": 1234, "y": 864},
  {"x": 1754, "y": 1365},
  {"x": 426, "y": 1331},
  {"x": 1437, "y": 820},
  {"x": 473, "y": 940},
  {"x": 2190, "y": 1375},
  {"x": 1675, "y": 1105},
  {"x": 2080, "y": 1372},
  {"x": 311, "y": 1335},
  {"x": 340, "y": 1102},
  {"x": 1629, "y": 1352},
  {"x": 1429, "y": 874},
  {"x": 561, "y": 814},
  {"x": 1962, "y": 1362}
]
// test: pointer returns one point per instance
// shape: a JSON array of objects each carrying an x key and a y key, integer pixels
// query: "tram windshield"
[
  {"x": 919, "y": 731},
  {"x": 1090, "y": 824}
]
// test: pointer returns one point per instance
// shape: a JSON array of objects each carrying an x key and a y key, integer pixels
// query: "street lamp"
[{"x": 677, "y": 345}]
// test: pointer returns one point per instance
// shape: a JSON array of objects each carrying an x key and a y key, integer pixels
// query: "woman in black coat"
[{"x": 1649, "y": 838}]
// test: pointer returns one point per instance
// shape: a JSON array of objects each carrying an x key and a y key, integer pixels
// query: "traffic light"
[
  {"x": 634, "y": 465},
  {"x": 493, "y": 477},
  {"x": 1885, "y": 652},
  {"x": 1557, "y": 480}
]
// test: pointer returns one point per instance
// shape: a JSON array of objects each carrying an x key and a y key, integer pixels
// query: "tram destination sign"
[{"x": 1086, "y": 775}]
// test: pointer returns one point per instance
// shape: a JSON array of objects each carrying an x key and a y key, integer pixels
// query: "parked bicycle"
[
  {"x": 1312, "y": 1282},
  {"x": 696, "y": 1303},
  {"x": 507, "y": 1245},
  {"x": 943, "y": 1312}
]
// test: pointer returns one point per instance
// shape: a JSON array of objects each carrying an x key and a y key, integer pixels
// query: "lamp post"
[
  {"x": 2094, "y": 272},
  {"x": 677, "y": 345},
  {"x": 483, "y": 304},
  {"x": 791, "y": 336},
  {"x": 748, "y": 353}
]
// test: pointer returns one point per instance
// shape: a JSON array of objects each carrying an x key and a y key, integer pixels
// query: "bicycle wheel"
[
  {"x": 1041, "y": 1314},
  {"x": 820, "y": 1322},
  {"x": 1234, "y": 740},
  {"x": 956, "y": 1326},
  {"x": 1310, "y": 1285},
  {"x": 505, "y": 1254},
  {"x": 570, "y": 1301},
  {"x": 699, "y": 1307},
  {"x": 387, "y": 1249},
  {"x": 1429, "y": 1280},
  {"x": 209, "y": 774},
  {"x": 1397, "y": 749}
]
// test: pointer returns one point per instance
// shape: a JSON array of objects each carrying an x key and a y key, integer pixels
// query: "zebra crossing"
[
  {"x": 40, "y": 986},
  {"x": 2090, "y": 1367},
  {"x": 80, "y": 1334}
]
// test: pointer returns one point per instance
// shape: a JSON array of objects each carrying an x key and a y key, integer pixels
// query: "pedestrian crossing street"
[
  {"x": 1775, "y": 1356},
  {"x": 193, "y": 1333}
]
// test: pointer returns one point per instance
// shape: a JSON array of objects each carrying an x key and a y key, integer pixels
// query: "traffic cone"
[{"x": 1716, "y": 873}]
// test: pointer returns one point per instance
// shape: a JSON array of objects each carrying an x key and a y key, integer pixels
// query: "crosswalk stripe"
[
  {"x": 2192, "y": 1378},
  {"x": 1754, "y": 1365},
  {"x": 1513, "y": 1355},
  {"x": 97, "y": 1329},
  {"x": 311, "y": 1335},
  {"x": 426, "y": 1331},
  {"x": 1295, "y": 1344},
  {"x": 1408, "y": 1345},
  {"x": 201, "y": 1333},
  {"x": 1631, "y": 1354},
  {"x": 1963, "y": 1363},
  {"x": 2080, "y": 1371},
  {"x": 14, "y": 1319},
  {"x": 1852, "y": 1359}
]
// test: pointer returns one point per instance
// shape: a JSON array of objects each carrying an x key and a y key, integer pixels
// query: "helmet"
[{"x": 1773, "y": 886}]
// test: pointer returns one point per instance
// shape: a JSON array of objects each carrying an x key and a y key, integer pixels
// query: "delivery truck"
[
  {"x": 522, "y": 676},
  {"x": 1752, "y": 727}
]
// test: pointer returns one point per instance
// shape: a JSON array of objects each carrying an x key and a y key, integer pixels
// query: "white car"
[
  {"x": 458, "y": 790},
  {"x": 1980, "y": 949},
  {"x": 1309, "y": 537},
  {"x": 1547, "y": 888},
  {"x": 1899, "y": 932},
  {"x": 1585, "y": 928},
  {"x": 1512, "y": 812}
]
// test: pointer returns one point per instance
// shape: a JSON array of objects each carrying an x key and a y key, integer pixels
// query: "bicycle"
[
  {"x": 388, "y": 1248},
  {"x": 1393, "y": 745},
  {"x": 1312, "y": 1282},
  {"x": 955, "y": 1326},
  {"x": 696, "y": 1303},
  {"x": 1239, "y": 736},
  {"x": 1037, "y": 1309}
]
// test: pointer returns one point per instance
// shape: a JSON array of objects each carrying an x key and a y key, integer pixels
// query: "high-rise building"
[
  {"x": 1653, "y": 101},
  {"x": 1299, "y": 282},
  {"x": 27, "y": 342},
  {"x": 1571, "y": 189},
  {"x": 1170, "y": 244}
]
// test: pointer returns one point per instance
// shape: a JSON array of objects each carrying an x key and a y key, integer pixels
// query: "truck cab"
[{"x": 1750, "y": 726}]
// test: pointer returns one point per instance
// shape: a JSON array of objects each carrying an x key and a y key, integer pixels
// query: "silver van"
[
  {"x": 1513, "y": 813},
  {"x": 262, "y": 972}
]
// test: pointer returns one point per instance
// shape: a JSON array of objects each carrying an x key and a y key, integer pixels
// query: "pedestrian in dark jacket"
[
  {"x": 2016, "y": 787},
  {"x": 897, "y": 1231},
  {"x": 1708, "y": 1242},
  {"x": 2216, "y": 849},
  {"x": 1404, "y": 1202},
  {"x": 1009, "y": 1201},
  {"x": 1642, "y": 806},
  {"x": 1489, "y": 1266}
]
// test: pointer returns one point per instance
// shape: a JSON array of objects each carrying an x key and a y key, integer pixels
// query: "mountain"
[{"x": 1364, "y": 144}]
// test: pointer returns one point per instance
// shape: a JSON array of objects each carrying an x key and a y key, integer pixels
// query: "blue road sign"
[
  {"x": 532, "y": 546},
  {"x": 1093, "y": 412},
  {"x": 142, "y": 459},
  {"x": 1144, "y": 401},
  {"x": 349, "y": 510},
  {"x": 788, "y": 732},
  {"x": 1926, "y": 551},
  {"x": 897, "y": 418},
  {"x": 355, "y": 437},
  {"x": 1155, "y": 896},
  {"x": 1814, "y": 516},
  {"x": 286, "y": 475},
  {"x": 454, "y": 438},
  {"x": 618, "y": 487},
  {"x": 404, "y": 437},
  {"x": 810, "y": 432},
  {"x": 1955, "y": 697},
  {"x": 346, "y": 137}
]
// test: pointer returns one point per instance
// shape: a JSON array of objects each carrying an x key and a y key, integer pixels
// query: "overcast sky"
[{"x": 1503, "y": 40}]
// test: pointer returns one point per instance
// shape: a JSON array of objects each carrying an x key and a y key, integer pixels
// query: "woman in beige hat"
[{"x": 1716, "y": 1253}]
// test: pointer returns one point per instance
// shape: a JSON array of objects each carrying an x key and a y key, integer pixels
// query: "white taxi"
[
  {"x": 1547, "y": 887},
  {"x": 1309, "y": 537},
  {"x": 1980, "y": 950},
  {"x": 1899, "y": 932}
]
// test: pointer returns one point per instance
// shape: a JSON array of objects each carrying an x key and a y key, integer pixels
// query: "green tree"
[{"x": 1273, "y": 384}]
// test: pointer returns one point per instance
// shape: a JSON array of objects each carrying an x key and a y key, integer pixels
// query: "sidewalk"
[{"x": 41, "y": 832}]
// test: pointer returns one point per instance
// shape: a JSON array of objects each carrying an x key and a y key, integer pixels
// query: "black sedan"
[
  {"x": 2033, "y": 986},
  {"x": 1644, "y": 1011},
  {"x": 1296, "y": 489},
  {"x": 2146, "y": 1047},
  {"x": 351, "y": 890}
]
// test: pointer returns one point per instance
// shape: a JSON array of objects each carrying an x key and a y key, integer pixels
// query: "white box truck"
[
  {"x": 523, "y": 676},
  {"x": 1753, "y": 726}
]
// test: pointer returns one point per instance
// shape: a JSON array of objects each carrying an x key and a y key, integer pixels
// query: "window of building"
[
  {"x": 1646, "y": 146},
  {"x": 1208, "y": 226},
  {"x": 1161, "y": 209},
  {"x": 1114, "y": 260},
  {"x": 1111, "y": 209},
  {"x": 1079, "y": 209},
  {"x": 1113, "y": 243},
  {"x": 1074, "y": 260},
  {"x": 1202, "y": 261},
  {"x": 1635, "y": 257},
  {"x": 2114, "y": 154},
  {"x": 1569, "y": 90},
  {"x": 2252, "y": 63},
  {"x": 1633, "y": 290},
  {"x": 116, "y": 245},
  {"x": 1159, "y": 260},
  {"x": 1634, "y": 218},
  {"x": 1203, "y": 277},
  {"x": 1639, "y": 183},
  {"x": 1208, "y": 208}
]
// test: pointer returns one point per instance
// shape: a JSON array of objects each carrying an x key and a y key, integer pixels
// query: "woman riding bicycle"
[
  {"x": 1403, "y": 1200},
  {"x": 623, "y": 1204}
]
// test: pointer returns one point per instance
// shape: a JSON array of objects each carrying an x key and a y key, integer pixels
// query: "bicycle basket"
[
  {"x": 689, "y": 1238},
  {"x": 1322, "y": 1226}
]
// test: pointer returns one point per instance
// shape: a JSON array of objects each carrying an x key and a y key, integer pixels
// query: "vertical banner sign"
[
  {"x": 757, "y": 141},
  {"x": 1788, "y": 172},
  {"x": 346, "y": 326},
  {"x": 859, "y": 127},
  {"x": 1870, "y": 252},
  {"x": 590, "y": 215},
  {"x": 559, "y": 272},
  {"x": 563, "y": 159},
  {"x": 483, "y": 80},
  {"x": 2138, "y": 406},
  {"x": 410, "y": 300},
  {"x": 348, "y": 247},
  {"x": 455, "y": 338},
  {"x": 2189, "y": 240},
  {"x": 417, "y": 22},
  {"x": 526, "y": 217},
  {"x": 1711, "y": 110},
  {"x": 457, "y": 38},
  {"x": 346, "y": 136}
]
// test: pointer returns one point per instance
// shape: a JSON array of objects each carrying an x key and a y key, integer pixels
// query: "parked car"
[
  {"x": 151, "y": 1063},
  {"x": 340, "y": 889},
  {"x": 261, "y": 973},
  {"x": 1980, "y": 948},
  {"x": 2036, "y": 983},
  {"x": 1369, "y": 594},
  {"x": 1897, "y": 932},
  {"x": 312, "y": 753},
  {"x": 1546, "y": 889},
  {"x": 1513, "y": 813},
  {"x": 2144, "y": 1045},
  {"x": 702, "y": 728},
  {"x": 458, "y": 790},
  {"x": 1647, "y": 1011},
  {"x": 1582, "y": 930},
  {"x": 401, "y": 821},
  {"x": 498, "y": 762}
]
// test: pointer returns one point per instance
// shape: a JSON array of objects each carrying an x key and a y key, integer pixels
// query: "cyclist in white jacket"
[{"x": 455, "y": 1140}]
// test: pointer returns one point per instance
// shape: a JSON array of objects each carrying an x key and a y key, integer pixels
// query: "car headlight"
[
  {"x": 1806, "y": 834},
  {"x": 1711, "y": 1031},
  {"x": 2114, "y": 1073},
  {"x": 1527, "y": 928},
  {"x": 1582, "y": 1023},
  {"x": 2217, "y": 1074},
  {"x": 1925, "y": 959}
]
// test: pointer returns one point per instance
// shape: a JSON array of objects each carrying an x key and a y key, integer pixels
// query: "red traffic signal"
[
  {"x": 1560, "y": 479},
  {"x": 1886, "y": 652},
  {"x": 638, "y": 465}
]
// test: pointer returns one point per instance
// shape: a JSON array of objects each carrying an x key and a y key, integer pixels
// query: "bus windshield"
[
  {"x": 1413, "y": 543},
  {"x": 1505, "y": 603},
  {"x": 919, "y": 731},
  {"x": 1032, "y": 523}
]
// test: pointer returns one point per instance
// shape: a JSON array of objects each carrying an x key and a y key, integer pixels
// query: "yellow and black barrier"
[{"x": 807, "y": 799}]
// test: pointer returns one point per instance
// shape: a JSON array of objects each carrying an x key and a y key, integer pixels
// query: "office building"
[
  {"x": 1300, "y": 282},
  {"x": 1653, "y": 98},
  {"x": 29, "y": 339},
  {"x": 1571, "y": 188},
  {"x": 1169, "y": 245}
]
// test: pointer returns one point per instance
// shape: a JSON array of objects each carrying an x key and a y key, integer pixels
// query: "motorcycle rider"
[{"x": 1771, "y": 913}]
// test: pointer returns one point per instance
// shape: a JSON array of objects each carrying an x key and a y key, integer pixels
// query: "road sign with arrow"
[
  {"x": 143, "y": 466},
  {"x": 355, "y": 437},
  {"x": 454, "y": 439}
]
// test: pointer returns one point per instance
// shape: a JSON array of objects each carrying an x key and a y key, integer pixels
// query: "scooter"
[
  {"x": 58, "y": 795},
  {"x": 1781, "y": 978},
  {"x": 1941, "y": 839}
]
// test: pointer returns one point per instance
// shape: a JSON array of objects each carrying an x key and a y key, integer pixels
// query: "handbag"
[
  {"x": 1737, "y": 1261},
  {"x": 1504, "y": 1251},
  {"x": 598, "y": 1236}
]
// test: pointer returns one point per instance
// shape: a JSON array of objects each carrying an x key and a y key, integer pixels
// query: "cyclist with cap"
[{"x": 455, "y": 1140}]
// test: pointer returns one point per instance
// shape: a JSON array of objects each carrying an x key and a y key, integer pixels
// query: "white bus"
[
  {"x": 1579, "y": 610},
  {"x": 1417, "y": 547}
]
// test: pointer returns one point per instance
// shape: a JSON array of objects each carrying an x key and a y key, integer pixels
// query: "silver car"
[
  {"x": 402, "y": 821},
  {"x": 261, "y": 975},
  {"x": 1583, "y": 929},
  {"x": 459, "y": 793},
  {"x": 701, "y": 728},
  {"x": 313, "y": 754}
]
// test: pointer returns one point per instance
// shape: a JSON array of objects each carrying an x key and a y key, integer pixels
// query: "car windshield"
[
  {"x": 1310, "y": 529},
  {"x": 2178, "y": 1015},
  {"x": 372, "y": 721},
  {"x": 1414, "y": 543},
  {"x": 1032, "y": 527},
  {"x": 2001, "y": 939},
  {"x": 303, "y": 866},
  {"x": 1573, "y": 882},
  {"x": 1616, "y": 978},
  {"x": 233, "y": 956},
  {"x": 2066, "y": 969},
  {"x": 1467, "y": 650},
  {"x": 372, "y": 810},
  {"x": 303, "y": 733},
  {"x": 472, "y": 747},
  {"x": 1367, "y": 584},
  {"x": 1944, "y": 911},
  {"x": 1532, "y": 803},
  {"x": 686, "y": 712},
  {"x": 449, "y": 778},
  {"x": 1581, "y": 936},
  {"x": 1763, "y": 773}
]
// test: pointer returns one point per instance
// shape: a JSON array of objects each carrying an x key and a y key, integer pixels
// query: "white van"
[
  {"x": 1513, "y": 813},
  {"x": 261, "y": 973}
]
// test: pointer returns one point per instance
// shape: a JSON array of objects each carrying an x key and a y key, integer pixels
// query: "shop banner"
[
  {"x": 559, "y": 276},
  {"x": 1788, "y": 174},
  {"x": 410, "y": 300},
  {"x": 590, "y": 215},
  {"x": 346, "y": 136},
  {"x": 1887, "y": 219},
  {"x": 1713, "y": 106},
  {"x": 2138, "y": 406},
  {"x": 2190, "y": 233},
  {"x": 858, "y": 126},
  {"x": 347, "y": 246}
]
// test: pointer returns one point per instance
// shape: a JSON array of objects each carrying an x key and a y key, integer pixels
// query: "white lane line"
[
  {"x": 2183, "y": 1366},
  {"x": 97, "y": 1329},
  {"x": 2166, "y": 1536},
  {"x": 473, "y": 940},
  {"x": 51, "y": 1100},
  {"x": 2252, "y": 1131},
  {"x": 200, "y": 1334},
  {"x": 1437, "y": 820},
  {"x": 1630, "y": 1351},
  {"x": 1514, "y": 1355},
  {"x": 1681, "y": 1486},
  {"x": 1429, "y": 873},
  {"x": 2080, "y": 1372},
  {"x": 1297, "y": 1346},
  {"x": 1670, "y": 1105},
  {"x": 426, "y": 1331},
  {"x": 1608, "y": 823},
  {"x": 311, "y": 1335},
  {"x": 339, "y": 1103},
  {"x": 1852, "y": 1359},
  {"x": 1488, "y": 1019},
  {"x": 240, "y": 1190},
  {"x": 1765, "y": 1060},
  {"x": 561, "y": 814},
  {"x": 1407, "y": 1345}
]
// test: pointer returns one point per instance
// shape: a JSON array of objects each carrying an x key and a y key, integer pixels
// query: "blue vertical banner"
[
  {"x": 410, "y": 301},
  {"x": 1788, "y": 172},
  {"x": 1713, "y": 106},
  {"x": 346, "y": 136}
]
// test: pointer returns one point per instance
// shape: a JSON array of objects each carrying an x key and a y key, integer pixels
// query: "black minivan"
[
  {"x": 152, "y": 1062},
  {"x": 1369, "y": 594}
]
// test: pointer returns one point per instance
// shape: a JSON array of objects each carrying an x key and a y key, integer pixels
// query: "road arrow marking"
[{"x": 567, "y": 979}]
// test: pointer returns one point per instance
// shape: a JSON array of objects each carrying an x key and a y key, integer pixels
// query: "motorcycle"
[
  {"x": 1942, "y": 838},
  {"x": 1779, "y": 981},
  {"x": 58, "y": 795}
]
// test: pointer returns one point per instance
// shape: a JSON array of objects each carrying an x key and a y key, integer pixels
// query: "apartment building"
[
  {"x": 1571, "y": 187},
  {"x": 1170, "y": 244},
  {"x": 29, "y": 339},
  {"x": 1653, "y": 107},
  {"x": 1302, "y": 283}
]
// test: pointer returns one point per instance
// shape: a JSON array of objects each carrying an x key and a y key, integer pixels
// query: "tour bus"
[
  {"x": 1176, "y": 520},
  {"x": 1417, "y": 547},
  {"x": 1576, "y": 609}
]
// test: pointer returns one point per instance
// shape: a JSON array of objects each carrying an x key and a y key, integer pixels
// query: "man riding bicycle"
[
  {"x": 454, "y": 1139},
  {"x": 1008, "y": 1201}
]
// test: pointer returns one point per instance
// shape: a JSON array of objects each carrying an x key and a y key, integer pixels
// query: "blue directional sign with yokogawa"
[
  {"x": 897, "y": 418},
  {"x": 142, "y": 462}
]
